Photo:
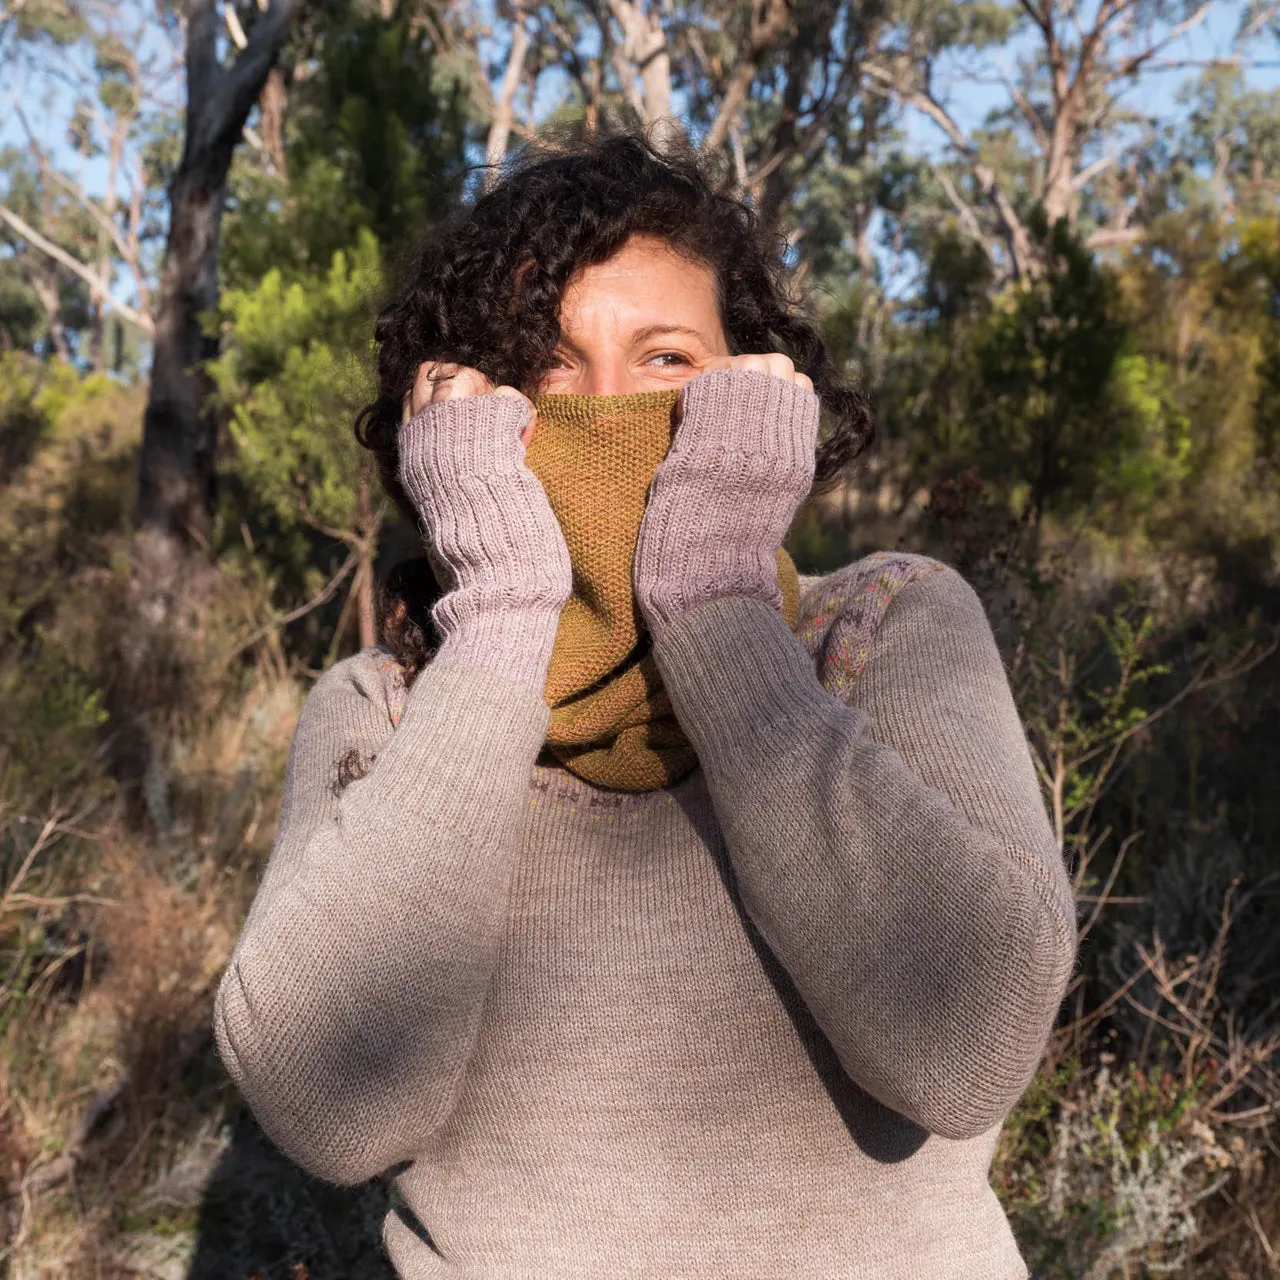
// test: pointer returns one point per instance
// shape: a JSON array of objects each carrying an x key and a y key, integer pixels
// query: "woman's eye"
[{"x": 669, "y": 359}]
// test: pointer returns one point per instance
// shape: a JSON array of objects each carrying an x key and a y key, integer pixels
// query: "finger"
[
  {"x": 803, "y": 380},
  {"x": 447, "y": 381},
  {"x": 774, "y": 363},
  {"x": 719, "y": 362},
  {"x": 752, "y": 363},
  {"x": 469, "y": 382},
  {"x": 526, "y": 435},
  {"x": 780, "y": 366},
  {"x": 420, "y": 394}
]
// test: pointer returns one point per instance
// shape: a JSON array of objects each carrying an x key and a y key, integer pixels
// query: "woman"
[{"x": 673, "y": 918}]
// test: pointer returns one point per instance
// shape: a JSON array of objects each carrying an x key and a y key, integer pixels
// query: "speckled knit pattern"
[
  {"x": 844, "y": 610},
  {"x": 765, "y": 1023}
]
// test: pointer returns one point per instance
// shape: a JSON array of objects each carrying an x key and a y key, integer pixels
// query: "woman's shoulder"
[
  {"x": 369, "y": 683},
  {"x": 842, "y": 612}
]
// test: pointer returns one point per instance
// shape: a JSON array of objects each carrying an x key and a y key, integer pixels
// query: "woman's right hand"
[
  {"x": 487, "y": 523},
  {"x": 436, "y": 383}
]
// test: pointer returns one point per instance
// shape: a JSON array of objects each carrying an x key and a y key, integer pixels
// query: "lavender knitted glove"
[
  {"x": 488, "y": 523},
  {"x": 723, "y": 498}
]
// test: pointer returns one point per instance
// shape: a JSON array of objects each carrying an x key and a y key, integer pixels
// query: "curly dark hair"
[{"x": 485, "y": 292}]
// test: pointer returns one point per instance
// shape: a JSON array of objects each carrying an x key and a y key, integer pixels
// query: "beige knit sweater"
[{"x": 764, "y": 1024}]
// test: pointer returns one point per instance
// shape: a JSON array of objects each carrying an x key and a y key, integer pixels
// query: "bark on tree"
[
  {"x": 768, "y": 25},
  {"x": 176, "y": 475},
  {"x": 644, "y": 53},
  {"x": 504, "y": 102}
]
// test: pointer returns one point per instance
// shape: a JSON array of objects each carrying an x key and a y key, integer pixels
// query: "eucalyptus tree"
[
  {"x": 177, "y": 465},
  {"x": 70, "y": 243},
  {"x": 1072, "y": 116}
]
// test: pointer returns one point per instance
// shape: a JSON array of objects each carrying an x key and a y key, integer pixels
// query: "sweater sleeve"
[
  {"x": 353, "y": 998},
  {"x": 901, "y": 868}
]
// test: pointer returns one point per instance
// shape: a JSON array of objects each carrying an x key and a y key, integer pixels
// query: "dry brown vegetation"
[{"x": 139, "y": 781}]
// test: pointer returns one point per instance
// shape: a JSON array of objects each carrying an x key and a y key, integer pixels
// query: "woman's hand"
[
  {"x": 775, "y": 364},
  {"x": 741, "y": 463},
  {"x": 437, "y": 383},
  {"x": 488, "y": 525}
]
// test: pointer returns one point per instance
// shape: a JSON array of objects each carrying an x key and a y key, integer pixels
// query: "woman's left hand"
[
  {"x": 775, "y": 364},
  {"x": 741, "y": 463}
]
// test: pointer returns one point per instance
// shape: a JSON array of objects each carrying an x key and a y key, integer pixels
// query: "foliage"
[
  {"x": 376, "y": 146},
  {"x": 292, "y": 372},
  {"x": 1100, "y": 1170},
  {"x": 1077, "y": 366}
]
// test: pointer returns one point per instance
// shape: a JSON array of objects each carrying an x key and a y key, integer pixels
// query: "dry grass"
[
  {"x": 114, "y": 1108},
  {"x": 141, "y": 755}
]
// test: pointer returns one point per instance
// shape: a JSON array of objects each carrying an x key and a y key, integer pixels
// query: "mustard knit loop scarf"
[{"x": 611, "y": 720}]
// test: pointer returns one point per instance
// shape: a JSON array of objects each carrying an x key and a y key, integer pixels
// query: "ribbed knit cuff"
[
  {"x": 475, "y": 436},
  {"x": 757, "y": 413},
  {"x": 489, "y": 525},
  {"x": 515, "y": 643},
  {"x": 721, "y": 502}
]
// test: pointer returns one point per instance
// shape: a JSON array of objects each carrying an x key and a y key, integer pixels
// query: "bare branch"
[
  {"x": 87, "y": 204},
  {"x": 1091, "y": 171},
  {"x": 140, "y": 320},
  {"x": 1041, "y": 17},
  {"x": 503, "y": 107},
  {"x": 1028, "y": 111},
  {"x": 234, "y": 29},
  {"x": 1015, "y": 234},
  {"x": 767, "y": 26},
  {"x": 1131, "y": 64},
  {"x": 1260, "y": 20},
  {"x": 323, "y": 596},
  {"x": 968, "y": 219},
  {"x": 1115, "y": 237}
]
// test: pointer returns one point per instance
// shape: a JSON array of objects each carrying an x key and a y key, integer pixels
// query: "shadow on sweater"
[
  {"x": 882, "y": 1134},
  {"x": 263, "y": 1218}
]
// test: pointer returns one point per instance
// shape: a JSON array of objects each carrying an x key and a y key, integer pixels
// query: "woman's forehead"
[{"x": 646, "y": 282}]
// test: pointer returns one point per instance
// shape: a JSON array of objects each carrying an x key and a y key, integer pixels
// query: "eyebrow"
[
  {"x": 654, "y": 330},
  {"x": 648, "y": 332}
]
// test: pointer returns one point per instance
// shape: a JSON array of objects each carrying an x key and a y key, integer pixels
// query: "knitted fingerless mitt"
[
  {"x": 489, "y": 526},
  {"x": 741, "y": 464}
]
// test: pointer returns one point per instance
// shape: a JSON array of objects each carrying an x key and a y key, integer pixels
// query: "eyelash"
[{"x": 676, "y": 357}]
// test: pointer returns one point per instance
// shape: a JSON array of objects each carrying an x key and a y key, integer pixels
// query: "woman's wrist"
[
  {"x": 514, "y": 643},
  {"x": 722, "y": 501}
]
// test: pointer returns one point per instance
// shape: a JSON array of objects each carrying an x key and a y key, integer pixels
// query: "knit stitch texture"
[
  {"x": 741, "y": 463},
  {"x": 765, "y": 1023},
  {"x": 490, "y": 534}
]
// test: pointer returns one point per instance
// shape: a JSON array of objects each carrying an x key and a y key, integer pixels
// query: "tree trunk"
[
  {"x": 179, "y": 434},
  {"x": 46, "y": 289},
  {"x": 504, "y": 102},
  {"x": 275, "y": 95},
  {"x": 1059, "y": 196}
]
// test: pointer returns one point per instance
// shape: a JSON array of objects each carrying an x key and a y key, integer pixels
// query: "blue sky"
[{"x": 49, "y": 103}]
